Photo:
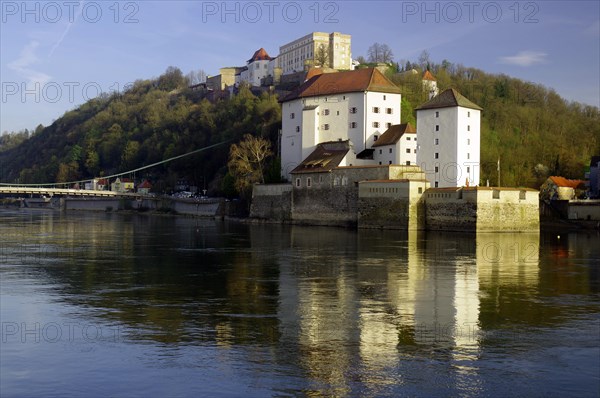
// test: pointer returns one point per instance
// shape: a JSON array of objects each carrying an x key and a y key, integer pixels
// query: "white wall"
[{"x": 455, "y": 152}]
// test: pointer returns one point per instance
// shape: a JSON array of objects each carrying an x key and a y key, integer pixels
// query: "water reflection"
[{"x": 340, "y": 312}]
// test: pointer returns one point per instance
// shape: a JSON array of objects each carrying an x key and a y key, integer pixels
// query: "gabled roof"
[
  {"x": 449, "y": 98},
  {"x": 394, "y": 133},
  {"x": 566, "y": 183},
  {"x": 367, "y": 79},
  {"x": 325, "y": 157},
  {"x": 428, "y": 76},
  {"x": 145, "y": 184},
  {"x": 260, "y": 55}
]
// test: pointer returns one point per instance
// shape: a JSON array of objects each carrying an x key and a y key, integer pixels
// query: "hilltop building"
[
  {"x": 430, "y": 84},
  {"x": 301, "y": 54},
  {"x": 448, "y": 132}
]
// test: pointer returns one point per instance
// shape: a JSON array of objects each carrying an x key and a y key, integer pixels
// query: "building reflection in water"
[{"x": 386, "y": 298}]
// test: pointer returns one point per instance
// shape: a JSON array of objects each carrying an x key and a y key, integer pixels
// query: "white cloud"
[
  {"x": 22, "y": 65},
  {"x": 525, "y": 58}
]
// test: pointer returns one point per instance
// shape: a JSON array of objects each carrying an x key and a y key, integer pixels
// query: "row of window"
[
  {"x": 353, "y": 109},
  {"x": 437, "y": 114},
  {"x": 437, "y": 127}
]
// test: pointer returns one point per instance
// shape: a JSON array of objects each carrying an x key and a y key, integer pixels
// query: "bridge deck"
[{"x": 61, "y": 192}]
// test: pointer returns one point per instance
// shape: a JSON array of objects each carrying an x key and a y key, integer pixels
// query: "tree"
[
  {"x": 380, "y": 53},
  {"x": 247, "y": 162},
  {"x": 322, "y": 56},
  {"x": 361, "y": 60},
  {"x": 195, "y": 77},
  {"x": 424, "y": 60}
]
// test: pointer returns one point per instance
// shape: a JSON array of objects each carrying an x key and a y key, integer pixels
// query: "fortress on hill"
[{"x": 352, "y": 162}]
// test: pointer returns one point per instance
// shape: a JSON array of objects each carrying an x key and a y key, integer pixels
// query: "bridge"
[{"x": 50, "y": 192}]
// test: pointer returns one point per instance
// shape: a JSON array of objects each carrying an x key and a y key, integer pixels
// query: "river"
[{"x": 106, "y": 304}]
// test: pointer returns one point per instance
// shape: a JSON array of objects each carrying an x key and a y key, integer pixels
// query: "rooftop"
[
  {"x": 428, "y": 76},
  {"x": 449, "y": 98},
  {"x": 325, "y": 157},
  {"x": 394, "y": 133},
  {"x": 260, "y": 55},
  {"x": 361, "y": 80},
  {"x": 566, "y": 183}
]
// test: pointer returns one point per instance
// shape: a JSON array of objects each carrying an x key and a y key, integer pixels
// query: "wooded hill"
[{"x": 533, "y": 131}]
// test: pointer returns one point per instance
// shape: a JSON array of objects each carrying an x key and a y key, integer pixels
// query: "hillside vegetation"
[{"x": 533, "y": 131}]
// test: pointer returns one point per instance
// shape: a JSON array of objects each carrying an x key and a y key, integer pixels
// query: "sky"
[{"x": 54, "y": 55}]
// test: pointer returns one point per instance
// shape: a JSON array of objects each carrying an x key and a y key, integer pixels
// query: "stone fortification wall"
[
  {"x": 336, "y": 206},
  {"x": 272, "y": 202},
  {"x": 482, "y": 209}
]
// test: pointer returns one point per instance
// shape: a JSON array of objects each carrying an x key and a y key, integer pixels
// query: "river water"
[{"x": 101, "y": 304}]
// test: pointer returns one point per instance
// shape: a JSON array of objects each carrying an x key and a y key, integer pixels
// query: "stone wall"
[
  {"x": 272, "y": 202},
  {"x": 482, "y": 209},
  {"x": 336, "y": 206}
]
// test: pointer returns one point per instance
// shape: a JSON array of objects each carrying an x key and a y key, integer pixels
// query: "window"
[
  {"x": 388, "y": 125},
  {"x": 408, "y": 162},
  {"x": 353, "y": 109},
  {"x": 326, "y": 126},
  {"x": 468, "y": 114},
  {"x": 376, "y": 124},
  {"x": 437, "y": 169},
  {"x": 407, "y": 150},
  {"x": 468, "y": 156},
  {"x": 496, "y": 194},
  {"x": 325, "y": 112},
  {"x": 298, "y": 183},
  {"x": 375, "y": 109},
  {"x": 292, "y": 115},
  {"x": 437, "y": 155},
  {"x": 468, "y": 169},
  {"x": 420, "y": 189},
  {"x": 297, "y": 129},
  {"x": 391, "y": 150},
  {"x": 389, "y": 111},
  {"x": 436, "y": 184},
  {"x": 390, "y": 162},
  {"x": 415, "y": 150},
  {"x": 338, "y": 113},
  {"x": 384, "y": 97},
  {"x": 352, "y": 125},
  {"x": 380, "y": 151},
  {"x": 380, "y": 163},
  {"x": 437, "y": 141},
  {"x": 407, "y": 138},
  {"x": 468, "y": 128},
  {"x": 308, "y": 182},
  {"x": 437, "y": 114},
  {"x": 437, "y": 127},
  {"x": 522, "y": 195},
  {"x": 375, "y": 137},
  {"x": 468, "y": 141}
]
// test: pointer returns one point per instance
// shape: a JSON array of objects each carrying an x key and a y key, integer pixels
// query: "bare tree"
[
  {"x": 196, "y": 77},
  {"x": 380, "y": 53},
  {"x": 247, "y": 162},
  {"x": 424, "y": 59}
]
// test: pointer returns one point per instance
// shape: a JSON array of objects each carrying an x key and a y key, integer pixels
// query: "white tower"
[{"x": 448, "y": 140}]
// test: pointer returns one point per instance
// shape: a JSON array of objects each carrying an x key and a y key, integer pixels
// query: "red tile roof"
[
  {"x": 394, "y": 133},
  {"x": 563, "y": 182},
  {"x": 260, "y": 55},
  {"x": 367, "y": 79},
  {"x": 428, "y": 76},
  {"x": 145, "y": 184}
]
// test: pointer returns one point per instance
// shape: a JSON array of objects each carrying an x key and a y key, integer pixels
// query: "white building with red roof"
[
  {"x": 257, "y": 68},
  {"x": 358, "y": 106}
]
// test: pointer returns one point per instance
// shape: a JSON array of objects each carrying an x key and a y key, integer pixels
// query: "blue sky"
[{"x": 55, "y": 54}]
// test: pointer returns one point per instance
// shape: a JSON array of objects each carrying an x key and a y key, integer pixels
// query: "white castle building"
[
  {"x": 358, "y": 106},
  {"x": 448, "y": 131},
  {"x": 296, "y": 55}
]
